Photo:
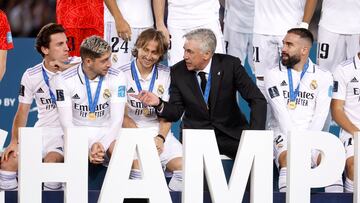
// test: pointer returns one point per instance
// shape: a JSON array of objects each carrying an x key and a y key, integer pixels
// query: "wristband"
[
  {"x": 162, "y": 137},
  {"x": 303, "y": 25}
]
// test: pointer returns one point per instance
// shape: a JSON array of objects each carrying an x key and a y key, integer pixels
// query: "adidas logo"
[
  {"x": 40, "y": 90},
  {"x": 131, "y": 90},
  {"x": 354, "y": 80},
  {"x": 283, "y": 83},
  {"x": 76, "y": 96}
]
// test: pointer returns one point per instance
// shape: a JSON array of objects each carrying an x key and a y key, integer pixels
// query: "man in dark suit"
[{"x": 203, "y": 87}]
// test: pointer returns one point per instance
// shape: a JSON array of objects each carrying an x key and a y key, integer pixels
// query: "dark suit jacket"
[{"x": 224, "y": 115}]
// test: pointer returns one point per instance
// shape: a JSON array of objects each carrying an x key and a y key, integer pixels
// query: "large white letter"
[
  {"x": 255, "y": 153},
  {"x": 301, "y": 177},
  {"x": 74, "y": 170},
  {"x": 117, "y": 185},
  {"x": 356, "y": 168}
]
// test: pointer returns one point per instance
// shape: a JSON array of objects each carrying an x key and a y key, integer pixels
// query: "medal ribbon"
[
  {"x": 294, "y": 93},
  {"x": 46, "y": 79},
  {"x": 136, "y": 77},
  {"x": 92, "y": 104}
]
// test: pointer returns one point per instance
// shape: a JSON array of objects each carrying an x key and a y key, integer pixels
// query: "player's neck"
[
  {"x": 89, "y": 73},
  {"x": 48, "y": 67},
  {"x": 144, "y": 72},
  {"x": 300, "y": 66}
]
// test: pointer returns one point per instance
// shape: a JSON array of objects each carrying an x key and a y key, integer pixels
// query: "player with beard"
[{"x": 299, "y": 93}]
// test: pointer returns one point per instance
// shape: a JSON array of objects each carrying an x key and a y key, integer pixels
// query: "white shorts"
[
  {"x": 333, "y": 48},
  {"x": 53, "y": 141},
  {"x": 239, "y": 44},
  {"x": 121, "y": 50},
  {"x": 176, "y": 51},
  {"x": 172, "y": 149},
  {"x": 267, "y": 51},
  {"x": 348, "y": 142},
  {"x": 280, "y": 145}
]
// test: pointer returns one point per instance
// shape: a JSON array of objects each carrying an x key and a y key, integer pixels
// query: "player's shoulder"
[
  {"x": 124, "y": 68},
  {"x": 69, "y": 73},
  {"x": 347, "y": 65},
  {"x": 163, "y": 69},
  {"x": 34, "y": 71},
  {"x": 116, "y": 75}
]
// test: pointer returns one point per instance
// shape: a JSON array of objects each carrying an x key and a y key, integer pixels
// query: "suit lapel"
[{"x": 216, "y": 76}]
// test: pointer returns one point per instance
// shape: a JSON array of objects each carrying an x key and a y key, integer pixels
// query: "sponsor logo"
[
  {"x": 131, "y": 90},
  {"x": 76, "y": 96},
  {"x": 40, "y": 90},
  {"x": 336, "y": 86},
  {"x": 354, "y": 80},
  {"x": 283, "y": 83},
  {"x": 121, "y": 91}
]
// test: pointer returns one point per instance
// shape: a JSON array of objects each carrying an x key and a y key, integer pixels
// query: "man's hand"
[
  {"x": 60, "y": 65},
  {"x": 123, "y": 29},
  {"x": 165, "y": 32},
  {"x": 159, "y": 143},
  {"x": 148, "y": 98},
  {"x": 97, "y": 153},
  {"x": 12, "y": 150}
]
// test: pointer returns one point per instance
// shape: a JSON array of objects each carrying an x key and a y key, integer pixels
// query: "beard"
[{"x": 289, "y": 61}]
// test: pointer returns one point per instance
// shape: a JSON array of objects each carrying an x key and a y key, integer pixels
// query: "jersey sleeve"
[
  {"x": 6, "y": 41},
  {"x": 322, "y": 105},
  {"x": 166, "y": 95},
  {"x": 276, "y": 101},
  {"x": 339, "y": 88},
  {"x": 26, "y": 92}
]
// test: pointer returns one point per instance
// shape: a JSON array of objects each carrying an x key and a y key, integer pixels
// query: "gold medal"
[
  {"x": 91, "y": 116},
  {"x": 107, "y": 94},
  {"x": 313, "y": 85},
  {"x": 160, "y": 90},
  {"x": 292, "y": 105},
  {"x": 146, "y": 111}
]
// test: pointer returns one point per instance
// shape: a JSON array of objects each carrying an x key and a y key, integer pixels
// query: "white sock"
[
  {"x": 53, "y": 186},
  {"x": 8, "y": 180},
  {"x": 135, "y": 174},
  {"x": 337, "y": 186},
  {"x": 282, "y": 179},
  {"x": 176, "y": 182},
  {"x": 349, "y": 185}
]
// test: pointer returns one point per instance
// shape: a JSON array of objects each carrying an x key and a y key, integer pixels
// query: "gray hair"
[
  {"x": 206, "y": 37},
  {"x": 93, "y": 47}
]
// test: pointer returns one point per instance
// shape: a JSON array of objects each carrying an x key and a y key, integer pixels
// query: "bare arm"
[
  {"x": 309, "y": 10},
  {"x": 3, "y": 54},
  {"x": 122, "y": 26},
  {"x": 159, "y": 10},
  {"x": 128, "y": 122},
  {"x": 20, "y": 120},
  {"x": 339, "y": 116}
]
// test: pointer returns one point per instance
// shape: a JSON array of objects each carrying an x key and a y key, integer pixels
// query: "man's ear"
[{"x": 44, "y": 50}]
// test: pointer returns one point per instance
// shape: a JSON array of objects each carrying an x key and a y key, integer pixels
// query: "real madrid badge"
[
  {"x": 107, "y": 94},
  {"x": 313, "y": 84},
  {"x": 292, "y": 105},
  {"x": 160, "y": 90},
  {"x": 146, "y": 111},
  {"x": 114, "y": 58},
  {"x": 91, "y": 116}
]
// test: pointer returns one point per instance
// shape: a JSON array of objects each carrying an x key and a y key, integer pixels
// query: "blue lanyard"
[
  {"x": 136, "y": 77},
  {"x": 46, "y": 78},
  {"x": 293, "y": 94},
  {"x": 92, "y": 104},
  {"x": 207, "y": 88}
]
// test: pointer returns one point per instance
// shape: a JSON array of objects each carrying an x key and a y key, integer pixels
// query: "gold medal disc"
[
  {"x": 292, "y": 105},
  {"x": 146, "y": 111},
  {"x": 92, "y": 116}
]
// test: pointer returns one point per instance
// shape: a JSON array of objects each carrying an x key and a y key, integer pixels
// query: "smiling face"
[
  {"x": 148, "y": 55},
  {"x": 194, "y": 57}
]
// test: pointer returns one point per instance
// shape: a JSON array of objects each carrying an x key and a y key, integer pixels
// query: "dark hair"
[
  {"x": 303, "y": 33},
  {"x": 43, "y": 37},
  {"x": 145, "y": 37}
]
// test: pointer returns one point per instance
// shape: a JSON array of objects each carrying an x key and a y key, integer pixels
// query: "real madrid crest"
[
  {"x": 160, "y": 90},
  {"x": 114, "y": 58},
  {"x": 313, "y": 85},
  {"x": 107, "y": 94}
]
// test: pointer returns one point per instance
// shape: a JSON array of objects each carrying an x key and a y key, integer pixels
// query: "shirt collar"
[
  {"x": 148, "y": 78},
  {"x": 48, "y": 72},
  {"x": 206, "y": 69},
  {"x": 82, "y": 76}
]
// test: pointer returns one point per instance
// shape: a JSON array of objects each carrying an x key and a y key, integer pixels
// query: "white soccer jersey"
[
  {"x": 33, "y": 86},
  {"x": 71, "y": 86},
  {"x": 138, "y": 13},
  {"x": 347, "y": 88},
  {"x": 192, "y": 13},
  {"x": 313, "y": 99},
  {"x": 341, "y": 16},
  {"x": 161, "y": 89},
  {"x": 239, "y": 15},
  {"x": 276, "y": 17}
]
